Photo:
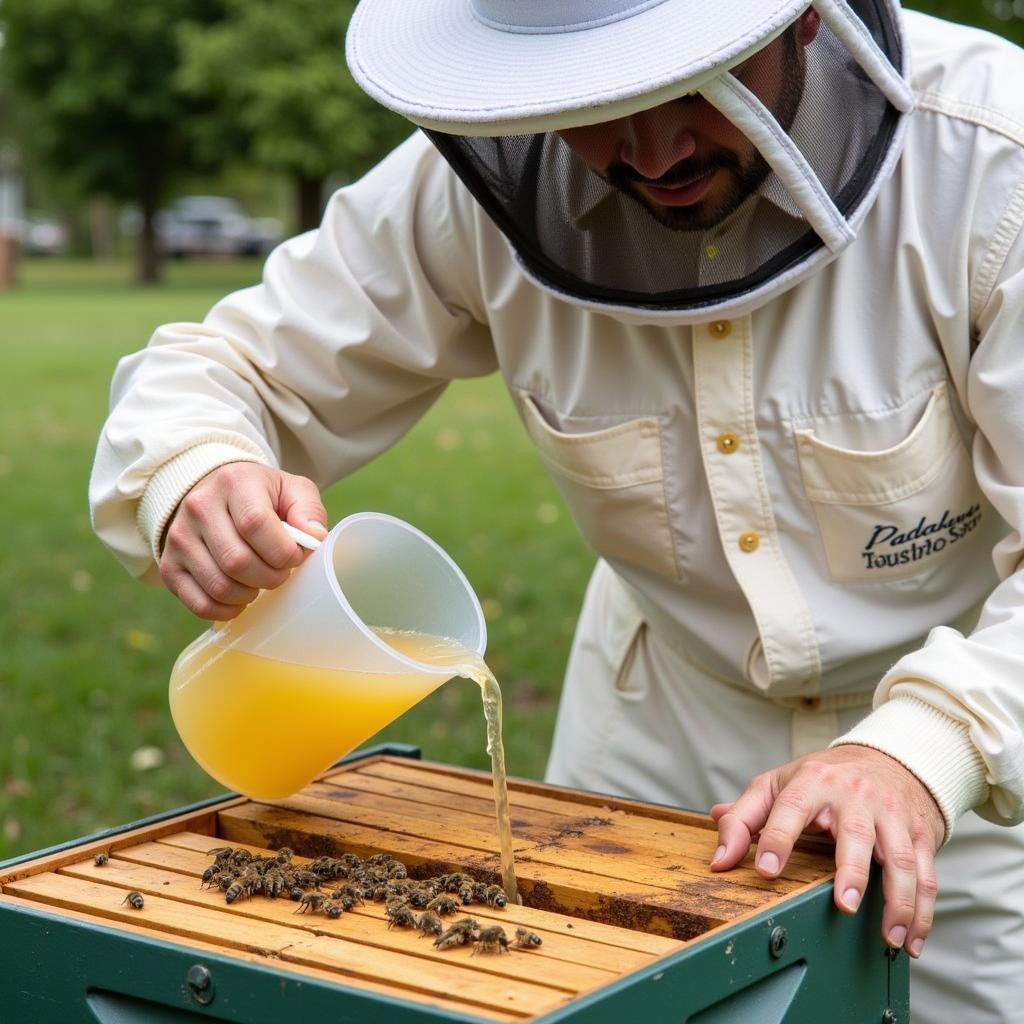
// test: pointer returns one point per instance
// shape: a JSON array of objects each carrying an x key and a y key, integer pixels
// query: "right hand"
[{"x": 224, "y": 543}]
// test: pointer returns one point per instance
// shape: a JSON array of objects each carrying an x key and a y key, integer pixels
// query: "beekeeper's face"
[{"x": 683, "y": 160}]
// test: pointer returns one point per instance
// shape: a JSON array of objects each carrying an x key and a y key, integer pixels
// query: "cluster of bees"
[{"x": 240, "y": 874}]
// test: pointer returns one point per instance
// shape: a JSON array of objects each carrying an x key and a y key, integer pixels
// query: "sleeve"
[
  {"x": 353, "y": 333},
  {"x": 953, "y": 711}
]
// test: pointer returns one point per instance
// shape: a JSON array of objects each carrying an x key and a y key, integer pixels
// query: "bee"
[
  {"x": 240, "y": 888},
  {"x": 527, "y": 940},
  {"x": 494, "y": 896},
  {"x": 310, "y": 901},
  {"x": 396, "y": 870},
  {"x": 456, "y": 881},
  {"x": 100, "y": 859},
  {"x": 429, "y": 924},
  {"x": 273, "y": 884},
  {"x": 295, "y": 893},
  {"x": 419, "y": 897},
  {"x": 400, "y": 913},
  {"x": 331, "y": 909},
  {"x": 134, "y": 900},
  {"x": 492, "y": 940},
  {"x": 379, "y": 891},
  {"x": 460, "y": 933},
  {"x": 444, "y": 904},
  {"x": 348, "y": 896},
  {"x": 434, "y": 886},
  {"x": 225, "y": 880},
  {"x": 221, "y": 852},
  {"x": 351, "y": 861},
  {"x": 284, "y": 855},
  {"x": 379, "y": 859},
  {"x": 307, "y": 879},
  {"x": 241, "y": 856}
]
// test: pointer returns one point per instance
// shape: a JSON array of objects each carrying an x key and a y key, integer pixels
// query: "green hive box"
[{"x": 633, "y": 924}]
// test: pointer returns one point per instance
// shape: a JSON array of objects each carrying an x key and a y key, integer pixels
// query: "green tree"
[
  {"x": 276, "y": 71},
  {"x": 97, "y": 80},
  {"x": 1005, "y": 17}
]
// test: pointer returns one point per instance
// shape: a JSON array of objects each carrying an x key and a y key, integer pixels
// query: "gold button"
[
  {"x": 811, "y": 703},
  {"x": 749, "y": 541},
  {"x": 712, "y": 252},
  {"x": 720, "y": 329},
  {"x": 728, "y": 443}
]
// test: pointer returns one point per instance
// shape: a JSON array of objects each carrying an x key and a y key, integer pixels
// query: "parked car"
[{"x": 214, "y": 226}]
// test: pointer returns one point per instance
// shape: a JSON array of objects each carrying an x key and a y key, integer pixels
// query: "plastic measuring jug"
[{"x": 310, "y": 670}]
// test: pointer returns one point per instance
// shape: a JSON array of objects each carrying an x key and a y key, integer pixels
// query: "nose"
[{"x": 657, "y": 139}]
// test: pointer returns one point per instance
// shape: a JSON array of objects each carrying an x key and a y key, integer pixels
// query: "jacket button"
[
  {"x": 728, "y": 443},
  {"x": 720, "y": 328},
  {"x": 749, "y": 541}
]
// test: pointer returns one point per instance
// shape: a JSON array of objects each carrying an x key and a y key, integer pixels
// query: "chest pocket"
[
  {"x": 894, "y": 513},
  {"x": 613, "y": 482}
]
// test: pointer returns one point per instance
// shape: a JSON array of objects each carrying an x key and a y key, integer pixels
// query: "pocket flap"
[
  {"x": 841, "y": 476},
  {"x": 621, "y": 456}
]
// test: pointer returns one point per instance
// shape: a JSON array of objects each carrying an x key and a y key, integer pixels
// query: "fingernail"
[
  {"x": 852, "y": 898},
  {"x": 897, "y": 936},
  {"x": 916, "y": 946},
  {"x": 314, "y": 526},
  {"x": 719, "y": 854},
  {"x": 768, "y": 863}
]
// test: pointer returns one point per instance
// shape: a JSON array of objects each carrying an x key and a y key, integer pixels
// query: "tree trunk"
[
  {"x": 102, "y": 245},
  {"x": 309, "y": 204},
  {"x": 150, "y": 189}
]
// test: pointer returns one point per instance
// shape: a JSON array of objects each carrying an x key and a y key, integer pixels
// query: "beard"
[{"x": 744, "y": 173}]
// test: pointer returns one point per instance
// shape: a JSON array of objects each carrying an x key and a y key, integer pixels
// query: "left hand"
[{"x": 871, "y": 805}]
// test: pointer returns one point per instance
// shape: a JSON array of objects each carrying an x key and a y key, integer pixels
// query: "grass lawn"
[{"x": 86, "y": 740}]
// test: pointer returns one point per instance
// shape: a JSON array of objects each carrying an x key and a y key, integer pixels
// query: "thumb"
[{"x": 299, "y": 504}]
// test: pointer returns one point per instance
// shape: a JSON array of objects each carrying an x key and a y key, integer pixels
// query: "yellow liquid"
[{"x": 266, "y": 728}]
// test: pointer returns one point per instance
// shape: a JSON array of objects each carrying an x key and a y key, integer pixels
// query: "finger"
[
  {"x": 855, "y": 846},
  {"x": 797, "y": 804},
  {"x": 195, "y": 599},
  {"x": 299, "y": 504},
  {"x": 215, "y": 582},
  {"x": 254, "y": 518},
  {"x": 719, "y": 809},
  {"x": 743, "y": 820},
  {"x": 924, "y": 909},
  {"x": 899, "y": 879}
]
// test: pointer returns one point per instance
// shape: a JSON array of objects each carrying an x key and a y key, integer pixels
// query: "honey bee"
[
  {"x": 456, "y": 881},
  {"x": 351, "y": 861},
  {"x": 400, "y": 913},
  {"x": 295, "y": 893},
  {"x": 396, "y": 869},
  {"x": 284, "y": 855},
  {"x": 240, "y": 888},
  {"x": 225, "y": 880},
  {"x": 492, "y": 940},
  {"x": 241, "y": 857},
  {"x": 305, "y": 878},
  {"x": 494, "y": 896},
  {"x": 100, "y": 859},
  {"x": 444, "y": 904},
  {"x": 459, "y": 933},
  {"x": 273, "y": 884},
  {"x": 221, "y": 852},
  {"x": 331, "y": 909},
  {"x": 527, "y": 940},
  {"x": 310, "y": 901},
  {"x": 419, "y": 897},
  {"x": 379, "y": 859},
  {"x": 348, "y": 896},
  {"x": 134, "y": 900},
  {"x": 429, "y": 924}
]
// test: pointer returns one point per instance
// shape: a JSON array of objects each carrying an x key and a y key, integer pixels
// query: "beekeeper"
[{"x": 752, "y": 272}]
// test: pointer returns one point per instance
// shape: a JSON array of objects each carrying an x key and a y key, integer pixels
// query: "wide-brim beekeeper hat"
[{"x": 494, "y": 83}]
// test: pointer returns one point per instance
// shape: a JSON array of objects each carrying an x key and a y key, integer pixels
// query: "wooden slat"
[
  {"x": 368, "y": 928},
  {"x": 594, "y": 933},
  {"x": 258, "y": 959},
  {"x": 617, "y": 847},
  {"x": 616, "y": 901},
  {"x": 291, "y": 944},
  {"x": 816, "y": 846},
  {"x": 477, "y": 794}
]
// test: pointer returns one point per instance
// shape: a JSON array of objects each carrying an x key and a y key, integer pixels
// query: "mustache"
[{"x": 622, "y": 174}]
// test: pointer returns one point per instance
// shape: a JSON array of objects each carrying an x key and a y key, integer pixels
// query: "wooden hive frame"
[{"x": 619, "y": 891}]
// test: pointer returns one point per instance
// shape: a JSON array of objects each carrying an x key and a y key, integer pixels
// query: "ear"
[{"x": 807, "y": 26}]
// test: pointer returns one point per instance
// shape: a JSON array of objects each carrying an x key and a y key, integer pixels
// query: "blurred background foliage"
[{"x": 119, "y": 120}]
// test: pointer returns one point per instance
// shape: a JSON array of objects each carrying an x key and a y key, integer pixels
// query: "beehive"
[{"x": 631, "y": 918}]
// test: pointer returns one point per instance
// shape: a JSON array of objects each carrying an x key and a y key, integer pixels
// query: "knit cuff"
[
  {"x": 175, "y": 478},
  {"x": 935, "y": 747}
]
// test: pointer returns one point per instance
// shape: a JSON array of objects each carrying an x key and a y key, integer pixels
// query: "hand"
[
  {"x": 224, "y": 543},
  {"x": 871, "y": 805}
]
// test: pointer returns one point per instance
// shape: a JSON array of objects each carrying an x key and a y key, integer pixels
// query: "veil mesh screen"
[{"x": 597, "y": 237}]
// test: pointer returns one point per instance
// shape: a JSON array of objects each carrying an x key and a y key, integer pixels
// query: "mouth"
[{"x": 684, "y": 193}]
